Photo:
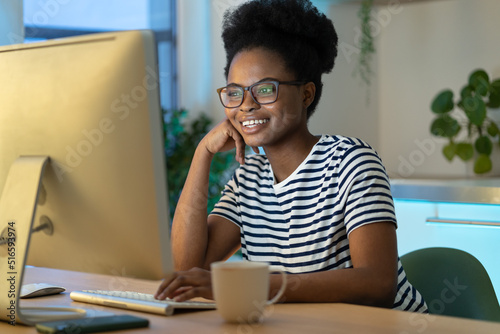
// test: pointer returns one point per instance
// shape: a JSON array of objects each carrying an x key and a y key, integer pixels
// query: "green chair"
[{"x": 452, "y": 282}]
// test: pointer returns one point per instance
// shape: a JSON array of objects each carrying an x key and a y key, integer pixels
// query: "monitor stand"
[{"x": 17, "y": 212}]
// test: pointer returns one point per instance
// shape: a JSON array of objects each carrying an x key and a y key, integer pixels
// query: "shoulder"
[
  {"x": 342, "y": 143},
  {"x": 348, "y": 156},
  {"x": 338, "y": 148}
]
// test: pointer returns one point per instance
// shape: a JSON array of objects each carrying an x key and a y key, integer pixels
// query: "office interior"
[{"x": 422, "y": 46}]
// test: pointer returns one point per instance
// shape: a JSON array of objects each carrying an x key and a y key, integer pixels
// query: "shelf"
[{"x": 480, "y": 190}]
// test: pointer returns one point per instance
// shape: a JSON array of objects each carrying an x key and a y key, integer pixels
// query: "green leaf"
[
  {"x": 494, "y": 99},
  {"x": 493, "y": 129},
  {"x": 449, "y": 151},
  {"x": 465, "y": 151},
  {"x": 443, "y": 102},
  {"x": 466, "y": 91},
  {"x": 480, "y": 81},
  {"x": 484, "y": 145},
  {"x": 445, "y": 126},
  {"x": 475, "y": 109},
  {"x": 483, "y": 164}
]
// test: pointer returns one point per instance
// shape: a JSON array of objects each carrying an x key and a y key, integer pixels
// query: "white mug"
[{"x": 241, "y": 290}]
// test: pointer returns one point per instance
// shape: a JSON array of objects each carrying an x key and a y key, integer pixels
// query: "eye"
[
  {"x": 265, "y": 89},
  {"x": 234, "y": 92}
]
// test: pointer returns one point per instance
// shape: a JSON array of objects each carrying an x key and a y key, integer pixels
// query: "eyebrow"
[{"x": 261, "y": 80}]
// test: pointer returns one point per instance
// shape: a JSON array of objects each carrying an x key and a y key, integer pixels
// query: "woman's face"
[{"x": 272, "y": 124}]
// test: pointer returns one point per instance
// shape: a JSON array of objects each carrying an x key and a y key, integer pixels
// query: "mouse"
[{"x": 39, "y": 289}]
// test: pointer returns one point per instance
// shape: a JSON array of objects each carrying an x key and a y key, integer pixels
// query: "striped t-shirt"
[{"x": 302, "y": 223}]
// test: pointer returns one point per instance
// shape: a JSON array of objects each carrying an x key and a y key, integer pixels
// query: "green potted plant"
[{"x": 466, "y": 121}]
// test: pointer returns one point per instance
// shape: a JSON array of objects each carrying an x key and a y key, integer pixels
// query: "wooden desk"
[{"x": 282, "y": 318}]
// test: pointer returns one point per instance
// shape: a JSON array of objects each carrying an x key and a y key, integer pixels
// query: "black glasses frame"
[{"x": 249, "y": 89}]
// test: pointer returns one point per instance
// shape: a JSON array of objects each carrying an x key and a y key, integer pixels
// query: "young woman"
[{"x": 318, "y": 206}]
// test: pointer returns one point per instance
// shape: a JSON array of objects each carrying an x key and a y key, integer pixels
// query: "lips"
[{"x": 254, "y": 122}]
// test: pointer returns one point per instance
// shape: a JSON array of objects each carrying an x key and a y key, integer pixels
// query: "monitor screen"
[{"x": 90, "y": 104}]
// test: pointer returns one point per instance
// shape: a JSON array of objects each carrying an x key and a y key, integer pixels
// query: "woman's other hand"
[
  {"x": 225, "y": 137},
  {"x": 184, "y": 285}
]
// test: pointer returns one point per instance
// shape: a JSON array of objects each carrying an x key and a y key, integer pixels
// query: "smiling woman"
[{"x": 317, "y": 206}]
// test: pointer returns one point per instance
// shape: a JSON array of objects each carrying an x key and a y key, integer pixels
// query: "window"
[{"x": 48, "y": 19}]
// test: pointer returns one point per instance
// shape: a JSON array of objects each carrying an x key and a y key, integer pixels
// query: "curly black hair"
[{"x": 304, "y": 38}]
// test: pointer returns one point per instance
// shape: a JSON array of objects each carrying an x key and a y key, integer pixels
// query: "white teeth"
[{"x": 254, "y": 122}]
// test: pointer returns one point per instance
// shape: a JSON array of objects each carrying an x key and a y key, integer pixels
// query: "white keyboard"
[{"x": 136, "y": 301}]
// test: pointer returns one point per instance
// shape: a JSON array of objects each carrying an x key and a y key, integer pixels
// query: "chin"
[{"x": 254, "y": 142}]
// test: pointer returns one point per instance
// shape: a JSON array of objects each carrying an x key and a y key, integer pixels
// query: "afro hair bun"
[{"x": 296, "y": 19}]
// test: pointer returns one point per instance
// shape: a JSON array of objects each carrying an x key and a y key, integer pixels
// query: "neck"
[{"x": 286, "y": 158}]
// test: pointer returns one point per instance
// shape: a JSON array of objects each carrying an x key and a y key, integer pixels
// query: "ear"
[{"x": 309, "y": 94}]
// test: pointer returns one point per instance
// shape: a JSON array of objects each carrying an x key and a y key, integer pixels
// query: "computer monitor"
[{"x": 91, "y": 105}]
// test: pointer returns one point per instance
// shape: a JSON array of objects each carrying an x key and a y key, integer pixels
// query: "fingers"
[
  {"x": 162, "y": 291},
  {"x": 182, "y": 290},
  {"x": 193, "y": 292},
  {"x": 184, "y": 285},
  {"x": 238, "y": 140},
  {"x": 240, "y": 147},
  {"x": 225, "y": 137}
]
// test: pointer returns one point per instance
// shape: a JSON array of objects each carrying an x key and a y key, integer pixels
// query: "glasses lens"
[
  {"x": 231, "y": 96},
  {"x": 265, "y": 92}
]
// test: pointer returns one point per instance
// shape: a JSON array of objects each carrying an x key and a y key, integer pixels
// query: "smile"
[{"x": 254, "y": 122}]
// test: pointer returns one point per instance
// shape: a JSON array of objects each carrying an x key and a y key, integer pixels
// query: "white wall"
[
  {"x": 421, "y": 48},
  {"x": 11, "y": 22},
  {"x": 427, "y": 47},
  {"x": 347, "y": 107}
]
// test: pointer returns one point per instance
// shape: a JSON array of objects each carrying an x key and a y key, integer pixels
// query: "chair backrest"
[{"x": 452, "y": 282}]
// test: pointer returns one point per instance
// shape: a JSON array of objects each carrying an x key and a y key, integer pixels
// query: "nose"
[{"x": 249, "y": 104}]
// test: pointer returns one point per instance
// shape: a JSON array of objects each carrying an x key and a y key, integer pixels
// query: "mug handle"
[{"x": 283, "y": 284}]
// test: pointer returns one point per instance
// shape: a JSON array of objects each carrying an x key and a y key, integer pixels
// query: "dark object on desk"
[
  {"x": 452, "y": 282},
  {"x": 92, "y": 325},
  {"x": 40, "y": 289}
]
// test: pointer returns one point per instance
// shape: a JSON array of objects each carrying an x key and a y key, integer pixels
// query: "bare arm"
[
  {"x": 371, "y": 281},
  {"x": 193, "y": 236},
  {"x": 197, "y": 240}
]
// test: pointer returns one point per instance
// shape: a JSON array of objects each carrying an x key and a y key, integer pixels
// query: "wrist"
[
  {"x": 275, "y": 282},
  {"x": 202, "y": 152}
]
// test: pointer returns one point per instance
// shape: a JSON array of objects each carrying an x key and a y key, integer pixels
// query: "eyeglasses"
[{"x": 262, "y": 92}]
